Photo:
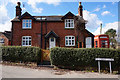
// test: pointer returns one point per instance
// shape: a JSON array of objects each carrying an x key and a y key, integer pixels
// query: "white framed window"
[
  {"x": 69, "y": 40},
  {"x": 26, "y": 41},
  {"x": 26, "y": 23},
  {"x": 69, "y": 23},
  {"x": 2, "y": 40}
]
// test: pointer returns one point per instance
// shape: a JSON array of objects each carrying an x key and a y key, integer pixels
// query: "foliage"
[
  {"x": 82, "y": 57},
  {"x": 23, "y": 54},
  {"x": 112, "y": 34}
]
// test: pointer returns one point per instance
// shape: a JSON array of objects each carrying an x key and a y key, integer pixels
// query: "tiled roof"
[
  {"x": 44, "y": 18},
  {"x": 7, "y": 34},
  {"x": 89, "y": 33}
]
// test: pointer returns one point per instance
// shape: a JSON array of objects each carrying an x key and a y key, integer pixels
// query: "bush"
[
  {"x": 23, "y": 54},
  {"x": 83, "y": 57}
]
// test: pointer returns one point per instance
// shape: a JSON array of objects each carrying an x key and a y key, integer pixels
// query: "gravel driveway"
[{"x": 21, "y": 72}]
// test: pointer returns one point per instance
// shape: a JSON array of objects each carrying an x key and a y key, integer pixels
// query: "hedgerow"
[
  {"x": 83, "y": 57},
  {"x": 19, "y": 53}
]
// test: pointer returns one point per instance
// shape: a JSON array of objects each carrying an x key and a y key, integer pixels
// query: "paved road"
[{"x": 21, "y": 72}]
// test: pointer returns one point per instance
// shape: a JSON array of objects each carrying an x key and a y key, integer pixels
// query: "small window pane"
[
  {"x": 27, "y": 20},
  {"x": 66, "y": 37},
  {"x": 29, "y": 37},
  {"x": 30, "y": 21},
  {"x": 29, "y": 42},
  {"x": 23, "y": 37},
  {"x": 52, "y": 39},
  {"x": 23, "y": 20}
]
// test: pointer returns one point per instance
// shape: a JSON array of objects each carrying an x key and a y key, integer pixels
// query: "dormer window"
[
  {"x": 69, "y": 23},
  {"x": 26, "y": 23}
]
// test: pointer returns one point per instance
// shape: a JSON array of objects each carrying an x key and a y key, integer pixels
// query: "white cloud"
[
  {"x": 113, "y": 25},
  {"x": 37, "y": 10},
  {"x": 5, "y": 23},
  {"x": 96, "y": 10},
  {"x": 6, "y": 26},
  {"x": 3, "y": 14},
  {"x": 33, "y": 4},
  {"x": 105, "y": 13},
  {"x": 104, "y": 6},
  {"x": 93, "y": 20},
  {"x": 113, "y": 3}
]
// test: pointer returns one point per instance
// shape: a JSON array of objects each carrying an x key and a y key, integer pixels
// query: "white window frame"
[
  {"x": 29, "y": 26},
  {"x": 69, "y": 23},
  {"x": 2, "y": 40},
  {"x": 67, "y": 41},
  {"x": 26, "y": 40}
]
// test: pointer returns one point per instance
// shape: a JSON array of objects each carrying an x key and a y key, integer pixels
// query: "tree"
[
  {"x": 79, "y": 28},
  {"x": 112, "y": 34}
]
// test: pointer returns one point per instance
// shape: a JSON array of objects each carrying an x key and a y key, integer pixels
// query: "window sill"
[
  {"x": 26, "y": 45},
  {"x": 69, "y": 45},
  {"x": 26, "y": 28},
  {"x": 70, "y": 28}
]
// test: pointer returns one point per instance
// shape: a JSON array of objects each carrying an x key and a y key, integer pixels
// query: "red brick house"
[
  {"x": 5, "y": 38},
  {"x": 49, "y": 31}
]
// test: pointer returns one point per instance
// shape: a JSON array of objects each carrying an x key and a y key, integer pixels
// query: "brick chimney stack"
[
  {"x": 80, "y": 9},
  {"x": 18, "y": 9}
]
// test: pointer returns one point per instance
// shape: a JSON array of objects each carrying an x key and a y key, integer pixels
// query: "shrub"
[
  {"x": 83, "y": 57},
  {"x": 23, "y": 54}
]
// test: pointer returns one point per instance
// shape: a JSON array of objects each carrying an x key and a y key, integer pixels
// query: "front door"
[
  {"x": 88, "y": 42},
  {"x": 52, "y": 42}
]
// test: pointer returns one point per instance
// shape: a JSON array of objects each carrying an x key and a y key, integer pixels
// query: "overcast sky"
[{"x": 94, "y": 12}]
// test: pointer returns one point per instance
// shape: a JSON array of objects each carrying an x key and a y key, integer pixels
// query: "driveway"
[{"x": 22, "y": 72}]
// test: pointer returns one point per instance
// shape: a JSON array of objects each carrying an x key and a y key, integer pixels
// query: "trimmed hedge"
[
  {"x": 23, "y": 54},
  {"x": 83, "y": 57}
]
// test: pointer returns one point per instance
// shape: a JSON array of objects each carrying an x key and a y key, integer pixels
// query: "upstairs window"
[
  {"x": 26, "y": 23},
  {"x": 69, "y": 23},
  {"x": 26, "y": 41},
  {"x": 69, "y": 41}
]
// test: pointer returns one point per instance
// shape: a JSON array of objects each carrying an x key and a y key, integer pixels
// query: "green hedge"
[
  {"x": 23, "y": 54},
  {"x": 83, "y": 57}
]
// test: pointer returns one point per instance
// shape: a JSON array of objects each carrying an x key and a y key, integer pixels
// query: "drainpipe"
[
  {"x": 12, "y": 35},
  {"x": 41, "y": 32},
  {"x": 45, "y": 33}
]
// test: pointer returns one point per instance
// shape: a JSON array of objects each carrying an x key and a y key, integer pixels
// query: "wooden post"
[
  {"x": 78, "y": 45},
  {"x": 99, "y": 66},
  {"x": 82, "y": 45}
]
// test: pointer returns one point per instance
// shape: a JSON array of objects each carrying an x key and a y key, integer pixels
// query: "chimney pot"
[
  {"x": 80, "y": 9},
  {"x": 18, "y": 3}
]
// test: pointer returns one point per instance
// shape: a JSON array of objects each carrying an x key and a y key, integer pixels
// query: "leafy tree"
[
  {"x": 112, "y": 34},
  {"x": 79, "y": 28}
]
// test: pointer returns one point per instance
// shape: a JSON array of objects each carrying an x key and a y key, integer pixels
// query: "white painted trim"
[
  {"x": 25, "y": 40},
  {"x": 71, "y": 40},
  {"x": 69, "y": 22},
  {"x": 103, "y": 37}
]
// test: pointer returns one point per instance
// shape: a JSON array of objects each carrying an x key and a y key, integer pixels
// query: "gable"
[
  {"x": 51, "y": 33},
  {"x": 26, "y": 15},
  {"x": 69, "y": 15}
]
